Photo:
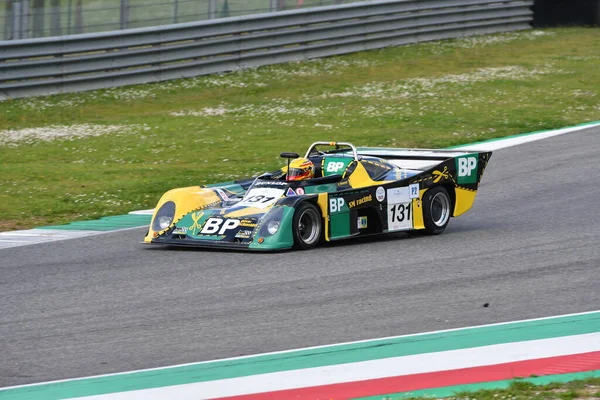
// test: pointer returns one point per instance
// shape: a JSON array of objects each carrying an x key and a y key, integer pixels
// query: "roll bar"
[{"x": 336, "y": 144}]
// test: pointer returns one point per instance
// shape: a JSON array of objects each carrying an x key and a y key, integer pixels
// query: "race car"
[{"x": 334, "y": 192}]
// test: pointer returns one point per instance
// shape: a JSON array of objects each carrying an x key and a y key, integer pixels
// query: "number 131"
[{"x": 401, "y": 212}]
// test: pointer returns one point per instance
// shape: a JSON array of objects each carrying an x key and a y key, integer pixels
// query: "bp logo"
[
  {"x": 466, "y": 168},
  {"x": 213, "y": 225},
  {"x": 336, "y": 204},
  {"x": 335, "y": 166}
]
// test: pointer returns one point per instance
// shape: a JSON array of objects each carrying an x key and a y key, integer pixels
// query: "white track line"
[
  {"x": 11, "y": 239},
  {"x": 501, "y": 143},
  {"x": 142, "y": 212},
  {"x": 33, "y": 236}
]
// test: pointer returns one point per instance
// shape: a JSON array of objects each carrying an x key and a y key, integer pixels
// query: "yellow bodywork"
[
  {"x": 186, "y": 200},
  {"x": 323, "y": 206},
  {"x": 360, "y": 178},
  {"x": 464, "y": 200},
  {"x": 418, "y": 211}
]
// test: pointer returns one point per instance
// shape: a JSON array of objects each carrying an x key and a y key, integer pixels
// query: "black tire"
[
  {"x": 437, "y": 210},
  {"x": 307, "y": 226}
]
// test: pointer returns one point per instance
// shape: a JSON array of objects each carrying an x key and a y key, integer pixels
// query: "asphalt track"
[{"x": 529, "y": 248}]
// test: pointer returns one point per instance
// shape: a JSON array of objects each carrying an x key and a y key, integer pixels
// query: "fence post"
[
  {"x": 8, "y": 20},
  {"x": 25, "y": 13},
  {"x": 55, "y": 29},
  {"x": 273, "y": 5},
  {"x": 37, "y": 23},
  {"x": 175, "y": 11},
  {"x": 78, "y": 17},
  {"x": 225, "y": 10},
  {"x": 69, "y": 18},
  {"x": 124, "y": 14},
  {"x": 16, "y": 20},
  {"x": 212, "y": 9}
]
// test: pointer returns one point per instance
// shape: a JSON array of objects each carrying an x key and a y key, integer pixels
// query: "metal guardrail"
[
  {"x": 103, "y": 60},
  {"x": 25, "y": 19}
]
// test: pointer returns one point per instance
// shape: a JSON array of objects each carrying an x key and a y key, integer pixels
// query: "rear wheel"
[
  {"x": 307, "y": 226},
  {"x": 437, "y": 209}
]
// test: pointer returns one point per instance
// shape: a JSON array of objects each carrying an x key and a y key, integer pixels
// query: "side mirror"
[{"x": 289, "y": 155}]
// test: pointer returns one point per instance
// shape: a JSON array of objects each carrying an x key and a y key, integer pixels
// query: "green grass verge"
[{"x": 122, "y": 148}]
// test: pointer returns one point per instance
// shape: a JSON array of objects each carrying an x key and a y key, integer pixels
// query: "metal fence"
[
  {"x": 102, "y": 60},
  {"x": 23, "y": 19}
]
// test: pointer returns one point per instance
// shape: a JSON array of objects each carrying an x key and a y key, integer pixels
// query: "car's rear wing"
[{"x": 418, "y": 159}]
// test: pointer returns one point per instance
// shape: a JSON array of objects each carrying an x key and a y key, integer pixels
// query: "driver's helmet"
[{"x": 301, "y": 169}]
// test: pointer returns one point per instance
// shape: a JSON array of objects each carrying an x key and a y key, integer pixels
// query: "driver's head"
[{"x": 301, "y": 169}]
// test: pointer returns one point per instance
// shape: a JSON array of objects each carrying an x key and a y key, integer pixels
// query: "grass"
[
  {"x": 578, "y": 389},
  {"x": 118, "y": 150}
]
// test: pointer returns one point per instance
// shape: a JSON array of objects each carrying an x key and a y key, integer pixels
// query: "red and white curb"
[
  {"x": 551, "y": 348},
  {"x": 556, "y": 355}
]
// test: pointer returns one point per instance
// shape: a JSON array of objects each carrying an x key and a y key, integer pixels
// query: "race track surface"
[{"x": 529, "y": 248}]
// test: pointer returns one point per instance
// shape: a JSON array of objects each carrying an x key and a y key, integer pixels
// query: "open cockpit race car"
[{"x": 350, "y": 193}]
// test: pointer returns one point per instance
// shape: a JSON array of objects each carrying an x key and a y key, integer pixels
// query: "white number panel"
[
  {"x": 261, "y": 197},
  {"x": 400, "y": 216}
]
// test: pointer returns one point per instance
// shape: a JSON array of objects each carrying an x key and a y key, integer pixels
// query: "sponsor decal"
[
  {"x": 290, "y": 192},
  {"x": 466, "y": 168},
  {"x": 439, "y": 175},
  {"x": 400, "y": 216},
  {"x": 362, "y": 222},
  {"x": 299, "y": 191},
  {"x": 332, "y": 166},
  {"x": 270, "y": 183},
  {"x": 222, "y": 194},
  {"x": 219, "y": 226},
  {"x": 261, "y": 197},
  {"x": 380, "y": 194},
  {"x": 248, "y": 223},
  {"x": 336, "y": 204},
  {"x": 243, "y": 234},
  {"x": 335, "y": 166},
  {"x": 196, "y": 225},
  {"x": 398, "y": 195},
  {"x": 361, "y": 201},
  {"x": 180, "y": 230},
  {"x": 413, "y": 191}
]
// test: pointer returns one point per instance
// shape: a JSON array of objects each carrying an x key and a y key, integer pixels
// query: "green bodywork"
[{"x": 283, "y": 239}]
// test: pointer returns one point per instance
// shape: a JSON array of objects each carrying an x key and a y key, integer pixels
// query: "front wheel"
[
  {"x": 307, "y": 226},
  {"x": 436, "y": 210}
]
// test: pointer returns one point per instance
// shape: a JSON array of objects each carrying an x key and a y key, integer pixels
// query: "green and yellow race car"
[{"x": 336, "y": 191}]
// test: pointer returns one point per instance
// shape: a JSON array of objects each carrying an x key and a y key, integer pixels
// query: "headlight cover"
[
  {"x": 164, "y": 222},
  {"x": 164, "y": 217},
  {"x": 271, "y": 222},
  {"x": 273, "y": 227}
]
